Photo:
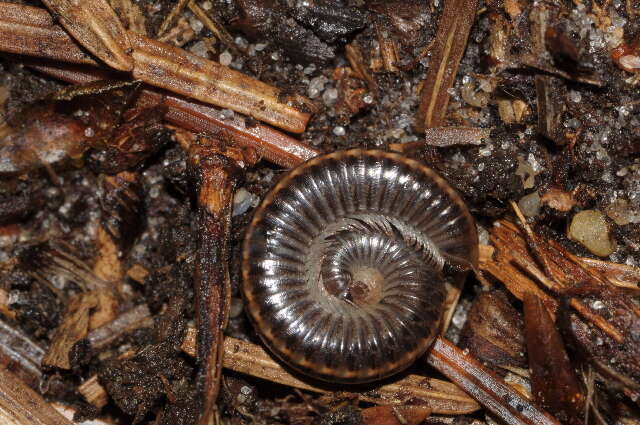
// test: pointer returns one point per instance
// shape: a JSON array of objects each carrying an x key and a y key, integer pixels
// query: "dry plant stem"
[
  {"x": 20, "y": 355},
  {"x": 177, "y": 70},
  {"x": 157, "y": 64},
  {"x": 172, "y": 16},
  {"x": 440, "y": 396},
  {"x": 488, "y": 389},
  {"x": 215, "y": 27},
  {"x": 95, "y": 25},
  {"x": 270, "y": 144},
  {"x": 137, "y": 317},
  {"x": 20, "y": 405},
  {"x": 451, "y": 39},
  {"x": 216, "y": 174},
  {"x": 30, "y": 31}
]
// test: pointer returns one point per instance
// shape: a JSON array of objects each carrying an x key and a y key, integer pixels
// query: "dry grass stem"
[
  {"x": 491, "y": 391},
  {"x": 450, "y": 42},
  {"x": 30, "y": 31},
  {"x": 270, "y": 144},
  {"x": 244, "y": 357},
  {"x": 215, "y": 27},
  {"x": 95, "y": 25},
  {"x": 158, "y": 64},
  {"x": 172, "y": 17}
]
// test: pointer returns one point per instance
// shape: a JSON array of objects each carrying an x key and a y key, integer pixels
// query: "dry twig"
[
  {"x": 20, "y": 405},
  {"x": 275, "y": 146},
  {"x": 440, "y": 396},
  {"x": 29, "y": 31},
  {"x": 450, "y": 42},
  {"x": 95, "y": 25}
]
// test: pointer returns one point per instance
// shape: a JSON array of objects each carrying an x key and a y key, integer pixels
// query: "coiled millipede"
[{"x": 344, "y": 263}]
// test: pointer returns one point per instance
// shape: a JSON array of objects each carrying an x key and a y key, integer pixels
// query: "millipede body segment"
[{"x": 345, "y": 260}]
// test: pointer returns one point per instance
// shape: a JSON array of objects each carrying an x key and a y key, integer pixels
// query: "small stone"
[
  {"x": 241, "y": 42},
  {"x": 242, "y": 201},
  {"x": 339, "y": 130},
  {"x": 200, "y": 49},
  {"x": 575, "y": 96},
  {"x": 590, "y": 229},
  {"x": 330, "y": 96},
  {"x": 226, "y": 114},
  {"x": 316, "y": 86},
  {"x": 530, "y": 204},
  {"x": 195, "y": 24},
  {"x": 225, "y": 58}
]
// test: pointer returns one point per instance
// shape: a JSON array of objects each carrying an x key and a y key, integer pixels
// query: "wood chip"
[
  {"x": 83, "y": 312},
  {"x": 93, "y": 392},
  {"x": 137, "y": 273}
]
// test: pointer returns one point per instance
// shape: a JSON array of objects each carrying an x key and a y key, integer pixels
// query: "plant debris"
[{"x": 138, "y": 137}]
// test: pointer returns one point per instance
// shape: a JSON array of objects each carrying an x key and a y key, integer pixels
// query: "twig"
[
  {"x": 492, "y": 392},
  {"x": 20, "y": 354},
  {"x": 216, "y": 174},
  {"x": 451, "y": 39},
  {"x": 95, "y": 25},
  {"x": 155, "y": 63},
  {"x": 269, "y": 143},
  {"x": 104, "y": 335},
  {"x": 20, "y": 405},
  {"x": 443, "y": 397}
]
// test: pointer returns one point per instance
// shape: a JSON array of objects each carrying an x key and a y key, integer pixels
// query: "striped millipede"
[{"x": 345, "y": 260}]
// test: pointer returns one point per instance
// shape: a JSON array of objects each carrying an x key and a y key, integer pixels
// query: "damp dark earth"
[{"x": 161, "y": 264}]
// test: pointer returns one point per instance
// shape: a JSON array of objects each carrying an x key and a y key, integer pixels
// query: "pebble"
[
  {"x": 225, "y": 58},
  {"x": 242, "y": 201},
  {"x": 530, "y": 204},
  {"x": 195, "y": 24},
  {"x": 339, "y": 130},
  {"x": 590, "y": 229},
  {"x": 330, "y": 96},
  {"x": 316, "y": 86}
]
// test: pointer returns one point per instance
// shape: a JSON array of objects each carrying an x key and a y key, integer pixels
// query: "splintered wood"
[{"x": 523, "y": 261}]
